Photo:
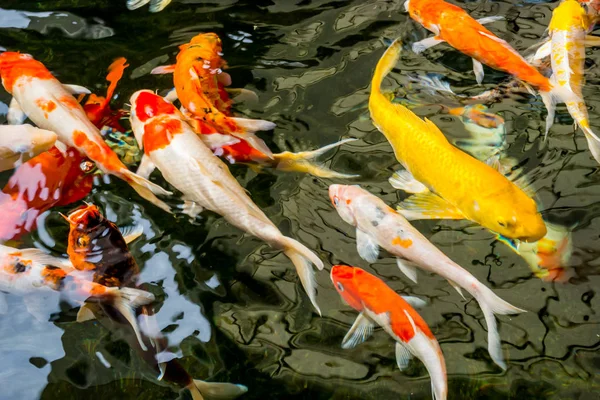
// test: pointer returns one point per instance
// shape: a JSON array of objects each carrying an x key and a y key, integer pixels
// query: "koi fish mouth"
[{"x": 88, "y": 215}]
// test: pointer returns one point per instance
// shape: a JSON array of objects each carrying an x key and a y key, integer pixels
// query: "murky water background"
[{"x": 231, "y": 306}]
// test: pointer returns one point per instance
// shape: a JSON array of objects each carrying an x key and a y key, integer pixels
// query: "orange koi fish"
[
  {"x": 453, "y": 25},
  {"x": 38, "y": 95},
  {"x": 97, "y": 107},
  {"x": 97, "y": 246},
  {"x": 379, "y": 305},
  {"x": 199, "y": 80},
  {"x": 377, "y": 225}
]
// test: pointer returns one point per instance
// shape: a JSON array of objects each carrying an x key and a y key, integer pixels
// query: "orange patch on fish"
[
  {"x": 98, "y": 152},
  {"x": 69, "y": 101},
  {"x": 53, "y": 275},
  {"x": 47, "y": 106},
  {"x": 149, "y": 105},
  {"x": 398, "y": 241},
  {"x": 14, "y": 66},
  {"x": 159, "y": 133}
]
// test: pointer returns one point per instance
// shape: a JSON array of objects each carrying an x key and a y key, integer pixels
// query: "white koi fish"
[
  {"x": 188, "y": 164},
  {"x": 20, "y": 143},
  {"x": 378, "y": 225}
]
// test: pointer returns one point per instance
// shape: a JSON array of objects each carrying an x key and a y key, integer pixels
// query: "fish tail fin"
[
  {"x": 303, "y": 258},
  {"x": 127, "y": 300},
  {"x": 593, "y": 142},
  {"x": 558, "y": 94},
  {"x": 248, "y": 127},
  {"x": 491, "y": 304},
  {"x": 215, "y": 390},
  {"x": 385, "y": 65},
  {"x": 301, "y": 161},
  {"x": 146, "y": 189}
]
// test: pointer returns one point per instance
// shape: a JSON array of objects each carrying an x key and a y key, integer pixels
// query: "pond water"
[{"x": 232, "y": 307}]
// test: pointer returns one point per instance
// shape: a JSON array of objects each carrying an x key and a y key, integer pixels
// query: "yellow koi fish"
[
  {"x": 568, "y": 28},
  {"x": 447, "y": 183}
]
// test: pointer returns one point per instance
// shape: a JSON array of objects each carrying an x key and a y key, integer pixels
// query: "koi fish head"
[
  {"x": 345, "y": 280},
  {"x": 513, "y": 214},
  {"x": 146, "y": 105},
  {"x": 14, "y": 65},
  {"x": 425, "y": 12},
  {"x": 569, "y": 15},
  {"x": 210, "y": 43},
  {"x": 341, "y": 197},
  {"x": 96, "y": 244}
]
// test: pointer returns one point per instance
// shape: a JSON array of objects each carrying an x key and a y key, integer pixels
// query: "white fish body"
[{"x": 19, "y": 143}]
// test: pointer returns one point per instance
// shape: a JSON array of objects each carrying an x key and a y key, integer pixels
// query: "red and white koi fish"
[
  {"x": 170, "y": 144},
  {"x": 155, "y": 5},
  {"x": 378, "y": 225},
  {"x": 20, "y": 143},
  {"x": 29, "y": 271},
  {"x": 379, "y": 305},
  {"x": 453, "y": 25},
  {"x": 37, "y": 94},
  {"x": 199, "y": 82},
  {"x": 568, "y": 29}
]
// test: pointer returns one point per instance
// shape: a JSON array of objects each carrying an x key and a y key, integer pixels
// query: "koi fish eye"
[
  {"x": 339, "y": 286},
  {"x": 506, "y": 224},
  {"x": 336, "y": 201},
  {"x": 83, "y": 241}
]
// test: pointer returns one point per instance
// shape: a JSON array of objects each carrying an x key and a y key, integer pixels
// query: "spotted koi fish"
[
  {"x": 96, "y": 246},
  {"x": 28, "y": 271},
  {"x": 379, "y": 305},
  {"x": 199, "y": 82},
  {"x": 453, "y": 25},
  {"x": 205, "y": 181},
  {"x": 377, "y": 225},
  {"x": 38, "y": 95},
  {"x": 20, "y": 143},
  {"x": 568, "y": 28}
]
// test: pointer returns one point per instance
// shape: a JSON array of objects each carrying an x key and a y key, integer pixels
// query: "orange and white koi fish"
[
  {"x": 170, "y": 144},
  {"x": 199, "y": 80},
  {"x": 447, "y": 182},
  {"x": 97, "y": 246},
  {"x": 20, "y": 143},
  {"x": 453, "y": 25},
  {"x": 37, "y": 94},
  {"x": 379, "y": 305},
  {"x": 377, "y": 225},
  {"x": 568, "y": 29},
  {"x": 593, "y": 11},
  {"x": 29, "y": 271},
  {"x": 155, "y": 5}
]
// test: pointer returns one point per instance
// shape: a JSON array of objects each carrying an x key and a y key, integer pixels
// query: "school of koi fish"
[{"x": 191, "y": 134}]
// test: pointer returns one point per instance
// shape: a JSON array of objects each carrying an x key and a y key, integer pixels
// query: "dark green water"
[{"x": 233, "y": 308}]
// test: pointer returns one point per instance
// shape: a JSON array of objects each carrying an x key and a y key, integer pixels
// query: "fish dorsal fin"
[
  {"x": 361, "y": 330},
  {"x": 408, "y": 269},
  {"x": 76, "y": 89},
  {"x": 403, "y": 356},
  {"x": 39, "y": 256},
  {"x": 367, "y": 246},
  {"x": 85, "y": 314},
  {"x": 415, "y": 302},
  {"x": 434, "y": 130},
  {"x": 428, "y": 205}
]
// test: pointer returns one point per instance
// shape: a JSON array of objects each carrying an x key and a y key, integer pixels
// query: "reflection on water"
[{"x": 232, "y": 307}]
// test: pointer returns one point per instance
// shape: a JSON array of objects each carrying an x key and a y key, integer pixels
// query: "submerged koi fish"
[
  {"x": 28, "y": 271},
  {"x": 97, "y": 107},
  {"x": 379, "y": 305},
  {"x": 38, "y": 95},
  {"x": 170, "y": 144},
  {"x": 568, "y": 29},
  {"x": 20, "y": 143},
  {"x": 155, "y": 5},
  {"x": 97, "y": 246},
  {"x": 199, "y": 82},
  {"x": 452, "y": 24},
  {"x": 448, "y": 183},
  {"x": 377, "y": 225}
]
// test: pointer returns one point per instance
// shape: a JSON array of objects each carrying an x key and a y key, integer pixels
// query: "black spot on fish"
[
  {"x": 374, "y": 223},
  {"x": 19, "y": 267},
  {"x": 379, "y": 213},
  {"x": 51, "y": 267}
]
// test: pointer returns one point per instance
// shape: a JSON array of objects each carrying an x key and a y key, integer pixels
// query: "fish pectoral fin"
[
  {"x": 544, "y": 51},
  {"x": 133, "y": 4},
  {"x": 172, "y": 96},
  {"x": 85, "y": 314},
  {"x": 60, "y": 146},
  {"x": 46, "y": 259},
  {"x": 146, "y": 167},
  {"x": 478, "y": 70},
  {"x": 458, "y": 288},
  {"x": 408, "y": 269},
  {"x": 367, "y": 246},
  {"x": 415, "y": 302},
  {"x": 428, "y": 205},
  {"x": 219, "y": 390},
  {"x": 422, "y": 45},
  {"x": 489, "y": 20},
  {"x": 76, "y": 89},
  {"x": 361, "y": 330},
  {"x": 131, "y": 232},
  {"x": 191, "y": 208},
  {"x": 404, "y": 180},
  {"x": 592, "y": 41},
  {"x": 403, "y": 356},
  {"x": 242, "y": 95},
  {"x": 15, "y": 115},
  {"x": 163, "y": 69}
]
